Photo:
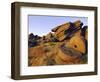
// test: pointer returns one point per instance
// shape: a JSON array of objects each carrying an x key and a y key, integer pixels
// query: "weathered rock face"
[
  {"x": 67, "y": 30},
  {"x": 66, "y": 44},
  {"x": 77, "y": 43},
  {"x": 68, "y": 55}
]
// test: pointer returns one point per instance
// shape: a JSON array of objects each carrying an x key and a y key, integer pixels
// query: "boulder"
[{"x": 67, "y": 30}]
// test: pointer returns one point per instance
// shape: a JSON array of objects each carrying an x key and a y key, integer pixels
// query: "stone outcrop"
[
  {"x": 67, "y": 30},
  {"x": 65, "y": 44}
]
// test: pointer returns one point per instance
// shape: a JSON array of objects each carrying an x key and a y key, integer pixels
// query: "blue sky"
[{"x": 41, "y": 25}]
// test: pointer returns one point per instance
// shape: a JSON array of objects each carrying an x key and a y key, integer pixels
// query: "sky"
[{"x": 42, "y": 25}]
